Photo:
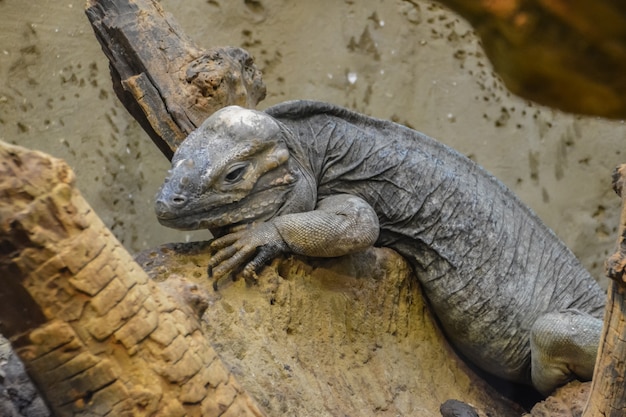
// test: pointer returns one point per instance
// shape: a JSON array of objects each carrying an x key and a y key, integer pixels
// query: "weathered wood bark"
[
  {"x": 570, "y": 55},
  {"x": 608, "y": 392},
  {"x": 166, "y": 82},
  {"x": 94, "y": 332}
]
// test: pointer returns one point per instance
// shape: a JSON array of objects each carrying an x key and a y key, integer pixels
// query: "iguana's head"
[{"x": 233, "y": 169}]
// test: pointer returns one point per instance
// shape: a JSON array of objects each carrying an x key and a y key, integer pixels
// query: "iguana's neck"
[{"x": 303, "y": 196}]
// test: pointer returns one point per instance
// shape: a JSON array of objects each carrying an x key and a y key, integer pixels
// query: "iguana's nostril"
[{"x": 179, "y": 200}]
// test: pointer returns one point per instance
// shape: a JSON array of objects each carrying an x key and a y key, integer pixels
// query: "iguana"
[{"x": 315, "y": 179}]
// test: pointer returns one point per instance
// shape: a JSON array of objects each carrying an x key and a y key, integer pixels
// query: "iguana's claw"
[
  {"x": 251, "y": 247},
  {"x": 264, "y": 254},
  {"x": 217, "y": 280}
]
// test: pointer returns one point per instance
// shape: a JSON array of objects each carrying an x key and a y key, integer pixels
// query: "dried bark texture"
[
  {"x": 568, "y": 55},
  {"x": 608, "y": 392},
  {"x": 97, "y": 336},
  {"x": 341, "y": 336},
  {"x": 166, "y": 82}
]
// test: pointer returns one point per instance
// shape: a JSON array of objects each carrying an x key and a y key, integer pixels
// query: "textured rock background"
[{"x": 410, "y": 61}]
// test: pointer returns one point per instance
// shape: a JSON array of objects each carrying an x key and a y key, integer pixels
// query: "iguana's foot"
[
  {"x": 244, "y": 250},
  {"x": 563, "y": 347}
]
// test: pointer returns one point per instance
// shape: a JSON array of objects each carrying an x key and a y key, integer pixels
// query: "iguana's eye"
[{"x": 236, "y": 173}]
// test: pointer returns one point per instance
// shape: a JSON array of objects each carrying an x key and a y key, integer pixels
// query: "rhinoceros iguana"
[{"x": 319, "y": 180}]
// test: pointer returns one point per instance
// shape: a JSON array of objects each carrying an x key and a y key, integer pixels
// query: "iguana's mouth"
[{"x": 259, "y": 206}]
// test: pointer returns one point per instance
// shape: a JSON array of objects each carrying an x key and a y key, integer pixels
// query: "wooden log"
[
  {"x": 608, "y": 390},
  {"x": 97, "y": 336},
  {"x": 164, "y": 80}
]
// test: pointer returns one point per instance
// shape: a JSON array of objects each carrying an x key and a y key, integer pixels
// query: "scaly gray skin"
[{"x": 318, "y": 180}]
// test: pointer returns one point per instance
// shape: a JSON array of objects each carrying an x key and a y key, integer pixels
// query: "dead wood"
[
  {"x": 164, "y": 80},
  {"x": 97, "y": 336},
  {"x": 567, "y": 401}
]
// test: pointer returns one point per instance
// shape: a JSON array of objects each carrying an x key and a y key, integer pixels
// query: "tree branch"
[{"x": 163, "y": 79}]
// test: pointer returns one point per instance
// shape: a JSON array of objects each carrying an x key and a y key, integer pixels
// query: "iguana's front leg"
[{"x": 339, "y": 225}]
